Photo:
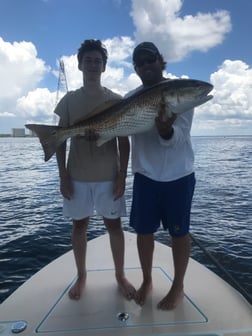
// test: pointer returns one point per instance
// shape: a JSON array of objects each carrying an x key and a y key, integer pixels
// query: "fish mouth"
[
  {"x": 203, "y": 92},
  {"x": 208, "y": 89},
  {"x": 205, "y": 95}
]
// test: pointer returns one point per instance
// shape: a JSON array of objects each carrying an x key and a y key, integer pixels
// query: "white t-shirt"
[{"x": 164, "y": 160}]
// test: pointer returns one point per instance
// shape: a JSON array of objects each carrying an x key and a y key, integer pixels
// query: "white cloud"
[
  {"x": 20, "y": 72},
  {"x": 20, "y": 67},
  {"x": 159, "y": 21},
  {"x": 231, "y": 108},
  {"x": 37, "y": 104},
  {"x": 119, "y": 50}
]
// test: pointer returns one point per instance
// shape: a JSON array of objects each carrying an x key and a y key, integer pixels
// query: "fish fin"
[
  {"x": 48, "y": 138},
  {"x": 99, "y": 109}
]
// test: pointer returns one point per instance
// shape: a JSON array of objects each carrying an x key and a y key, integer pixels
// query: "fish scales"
[
  {"x": 135, "y": 117},
  {"x": 131, "y": 115}
]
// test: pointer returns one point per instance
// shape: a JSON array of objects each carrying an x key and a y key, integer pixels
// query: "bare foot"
[
  {"x": 142, "y": 292},
  {"x": 76, "y": 290},
  {"x": 172, "y": 299},
  {"x": 126, "y": 288}
]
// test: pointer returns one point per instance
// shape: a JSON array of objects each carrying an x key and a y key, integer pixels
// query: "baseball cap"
[{"x": 145, "y": 46}]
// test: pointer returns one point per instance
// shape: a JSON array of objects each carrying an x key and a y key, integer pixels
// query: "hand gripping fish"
[{"x": 131, "y": 115}]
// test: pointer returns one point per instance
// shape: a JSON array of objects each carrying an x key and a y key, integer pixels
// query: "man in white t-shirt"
[{"x": 163, "y": 167}]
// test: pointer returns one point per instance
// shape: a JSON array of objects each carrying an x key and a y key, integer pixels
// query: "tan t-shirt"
[{"x": 86, "y": 161}]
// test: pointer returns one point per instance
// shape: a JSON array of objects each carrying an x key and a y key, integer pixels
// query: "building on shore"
[{"x": 18, "y": 132}]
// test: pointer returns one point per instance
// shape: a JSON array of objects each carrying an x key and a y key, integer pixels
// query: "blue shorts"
[{"x": 167, "y": 202}]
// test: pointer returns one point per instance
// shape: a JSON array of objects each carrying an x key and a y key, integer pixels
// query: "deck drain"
[
  {"x": 122, "y": 316},
  {"x": 18, "y": 327}
]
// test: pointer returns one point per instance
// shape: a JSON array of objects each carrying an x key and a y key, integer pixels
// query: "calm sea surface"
[{"x": 33, "y": 231}]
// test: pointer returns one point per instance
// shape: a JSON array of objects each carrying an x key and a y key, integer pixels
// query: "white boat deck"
[{"x": 210, "y": 308}]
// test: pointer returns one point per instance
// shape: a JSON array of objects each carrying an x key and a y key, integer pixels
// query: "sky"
[{"x": 200, "y": 39}]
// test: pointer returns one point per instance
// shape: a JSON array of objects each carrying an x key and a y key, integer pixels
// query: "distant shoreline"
[{"x": 16, "y": 136}]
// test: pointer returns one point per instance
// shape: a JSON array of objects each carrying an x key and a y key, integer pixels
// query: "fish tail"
[{"x": 48, "y": 137}]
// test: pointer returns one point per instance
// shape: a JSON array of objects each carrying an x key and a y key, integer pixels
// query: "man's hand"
[
  {"x": 119, "y": 185},
  {"x": 164, "y": 122},
  {"x": 66, "y": 186},
  {"x": 90, "y": 135}
]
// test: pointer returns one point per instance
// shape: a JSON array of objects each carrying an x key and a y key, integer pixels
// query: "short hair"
[{"x": 90, "y": 45}]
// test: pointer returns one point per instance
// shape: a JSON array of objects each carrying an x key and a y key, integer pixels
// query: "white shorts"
[{"x": 90, "y": 196}]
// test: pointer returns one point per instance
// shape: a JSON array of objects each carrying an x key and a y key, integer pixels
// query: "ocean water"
[{"x": 33, "y": 231}]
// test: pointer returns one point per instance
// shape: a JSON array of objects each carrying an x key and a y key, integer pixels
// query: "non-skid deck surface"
[
  {"x": 210, "y": 308},
  {"x": 102, "y": 307}
]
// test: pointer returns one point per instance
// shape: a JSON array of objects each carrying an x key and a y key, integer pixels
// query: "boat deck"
[{"x": 211, "y": 307}]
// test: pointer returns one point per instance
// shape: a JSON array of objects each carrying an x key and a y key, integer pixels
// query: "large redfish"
[{"x": 131, "y": 115}]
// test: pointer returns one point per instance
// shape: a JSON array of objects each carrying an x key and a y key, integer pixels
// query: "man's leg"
[
  {"x": 117, "y": 247},
  {"x": 181, "y": 253},
  {"x": 79, "y": 243},
  {"x": 145, "y": 245}
]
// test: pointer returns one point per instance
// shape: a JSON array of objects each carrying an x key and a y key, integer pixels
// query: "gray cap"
[{"x": 145, "y": 46}]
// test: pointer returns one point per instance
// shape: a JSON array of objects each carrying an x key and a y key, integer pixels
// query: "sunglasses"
[{"x": 146, "y": 60}]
